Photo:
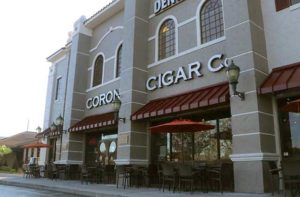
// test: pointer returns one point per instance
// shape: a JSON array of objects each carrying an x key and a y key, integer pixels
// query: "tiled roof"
[{"x": 19, "y": 139}]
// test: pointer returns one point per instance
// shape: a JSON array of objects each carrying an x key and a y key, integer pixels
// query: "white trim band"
[
  {"x": 252, "y": 112},
  {"x": 255, "y": 133},
  {"x": 131, "y": 161},
  {"x": 255, "y": 157}
]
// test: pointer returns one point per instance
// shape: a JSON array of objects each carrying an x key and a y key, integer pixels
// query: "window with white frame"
[
  {"x": 58, "y": 88},
  {"x": 98, "y": 71},
  {"x": 167, "y": 39},
  {"x": 119, "y": 61},
  {"x": 211, "y": 21}
]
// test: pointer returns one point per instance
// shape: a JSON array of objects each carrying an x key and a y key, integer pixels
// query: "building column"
[
  {"x": 72, "y": 144},
  {"x": 132, "y": 135},
  {"x": 254, "y": 143}
]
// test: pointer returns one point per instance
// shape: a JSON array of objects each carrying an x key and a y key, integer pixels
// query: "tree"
[{"x": 4, "y": 150}]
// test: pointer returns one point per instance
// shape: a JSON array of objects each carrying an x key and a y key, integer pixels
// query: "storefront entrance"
[{"x": 101, "y": 148}]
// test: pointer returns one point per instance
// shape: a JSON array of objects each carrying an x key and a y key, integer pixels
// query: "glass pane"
[
  {"x": 289, "y": 123},
  {"x": 211, "y": 20},
  {"x": 102, "y": 147},
  {"x": 295, "y": 132},
  {"x": 166, "y": 39},
  {"x": 98, "y": 69},
  {"x": 112, "y": 147}
]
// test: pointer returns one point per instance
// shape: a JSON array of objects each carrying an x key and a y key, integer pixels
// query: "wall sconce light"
[
  {"x": 116, "y": 107},
  {"x": 57, "y": 126},
  {"x": 38, "y": 129},
  {"x": 233, "y": 73}
]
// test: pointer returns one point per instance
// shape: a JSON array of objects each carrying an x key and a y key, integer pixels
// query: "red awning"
[
  {"x": 283, "y": 78},
  {"x": 203, "y": 97},
  {"x": 94, "y": 122}
]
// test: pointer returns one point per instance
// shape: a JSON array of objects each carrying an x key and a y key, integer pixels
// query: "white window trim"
[
  {"x": 156, "y": 63},
  {"x": 103, "y": 84},
  {"x": 157, "y": 36},
  {"x": 103, "y": 69},
  {"x": 111, "y": 29},
  {"x": 116, "y": 58}
]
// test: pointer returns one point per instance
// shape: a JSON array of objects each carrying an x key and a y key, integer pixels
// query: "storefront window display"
[
  {"x": 101, "y": 148},
  {"x": 199, "y": 146}
]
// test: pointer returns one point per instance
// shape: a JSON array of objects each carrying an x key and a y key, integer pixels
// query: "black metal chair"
[
  {"x": 27, "y": 171},
  {"x": 160, "y": 174},
  {"x": 85, "y": 175},
  {"x": 274, "y": 175},
  {"x": 52, "y": 171},
  {"x": 168, "y": 175},
  {"x": 215, "y": 176},
  {"x": 291, "y": 176},
  {"x": 186, "y": 175},
  {"x": 122, "y": 174}
]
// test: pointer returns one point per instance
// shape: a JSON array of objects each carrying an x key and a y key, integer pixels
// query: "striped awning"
[
  {"x": 203, "y": 97},
  {"x": 282, "y": 78},
  {"x": 94, "y": 122}
]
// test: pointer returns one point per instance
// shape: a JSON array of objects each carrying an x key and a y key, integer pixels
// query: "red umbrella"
[
  {"x": 37, "y": 145},
  {"x": 293, "y": 106},
  {"x": 177, "y": 126}
]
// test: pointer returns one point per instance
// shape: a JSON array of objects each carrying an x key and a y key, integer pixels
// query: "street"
[{"x": 12, "y": 191}]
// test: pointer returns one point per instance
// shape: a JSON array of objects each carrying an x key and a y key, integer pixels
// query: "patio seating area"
[{"x": 174, "y": 176}]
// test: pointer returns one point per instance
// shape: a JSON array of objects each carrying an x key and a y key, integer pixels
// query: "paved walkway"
[{"x": 104, "y": 190}]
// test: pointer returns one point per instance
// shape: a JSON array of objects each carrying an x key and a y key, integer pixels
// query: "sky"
[{"x": 31, "y": 31}]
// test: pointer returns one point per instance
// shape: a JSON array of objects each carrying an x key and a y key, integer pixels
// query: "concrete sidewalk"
[{"x": 104, "y": 190}]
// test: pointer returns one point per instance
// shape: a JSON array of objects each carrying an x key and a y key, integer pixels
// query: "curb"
[{"x": 58, "y": 189}]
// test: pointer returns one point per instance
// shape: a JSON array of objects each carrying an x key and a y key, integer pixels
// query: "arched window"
[
  {"x": 167, "y": 43},
  {"x": 98, "y": 71},
  {"x": 211, "y": 21},
  {"x": 119, "y": 61}
]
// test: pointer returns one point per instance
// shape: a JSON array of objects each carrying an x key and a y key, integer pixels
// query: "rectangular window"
[
  {"x": 58, "y": 88},
  {"x": 289, "y": 123},
  {"x": 294, "y": 2},
  {"x": 281, "y": 4}
]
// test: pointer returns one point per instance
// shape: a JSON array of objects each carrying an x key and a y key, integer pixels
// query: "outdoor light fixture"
[
  {"x": 116, "y": 106},
  {"x": 233, "y": 73},
  {"x": 59, "y": 121},
  {"x": 38, "y": 129},
  {"x": 53, "y": 127},
  {"x": 56, "y": 127}
]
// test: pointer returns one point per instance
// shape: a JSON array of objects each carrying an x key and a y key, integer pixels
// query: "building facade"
[{"x": 166, "y": 60}]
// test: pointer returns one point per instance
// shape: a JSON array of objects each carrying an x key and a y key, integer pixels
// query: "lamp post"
[
  {"x": 53, "y": 128},
  {"x": 38, "y": 129},
  {"x": 59, "y": 121},
  {"x": 57, "y": 126},
  {"x": 116, "y": 107},
  {"x": 233, "y": 73}
]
